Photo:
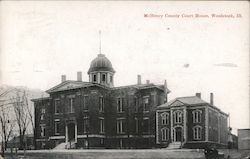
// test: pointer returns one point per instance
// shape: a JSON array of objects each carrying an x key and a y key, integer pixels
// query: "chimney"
[
  {"x": 198, "y": 95},
  {"x": 63, "y": 78},
  {"x": 165, "y": 84},
  {"x": 147, "y": 81},
  {"x": 138, "y": 79},
  {"x": 79, "y": 76},
  {"x": 211, "y": 98}
]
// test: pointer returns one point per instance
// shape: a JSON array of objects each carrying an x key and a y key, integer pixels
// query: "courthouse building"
[
  {"x": 96, "y": 114},
  {"x": 191, "y": 122}
]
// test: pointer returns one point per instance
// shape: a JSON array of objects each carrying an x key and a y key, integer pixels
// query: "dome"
[{"x": 101, "y": 63}]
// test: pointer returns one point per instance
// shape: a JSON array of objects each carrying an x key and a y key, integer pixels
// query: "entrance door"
[
  {"x": 71, "y": 131},
  {"x": 178, "y": 134}
]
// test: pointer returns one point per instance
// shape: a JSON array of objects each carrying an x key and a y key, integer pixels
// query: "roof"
[
  {"x": 143, "y": 86},
  {"x": 101, "y": 63},
  {"x": 40, "y": 99},
  {"x": 189, "y": 100},
  {"x": 69, "y": 85}
]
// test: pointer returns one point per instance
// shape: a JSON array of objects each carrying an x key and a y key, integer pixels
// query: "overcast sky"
[{"x": 40, "y": 41}]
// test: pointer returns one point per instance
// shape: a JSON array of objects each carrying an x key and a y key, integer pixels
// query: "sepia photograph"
[{"x": 124, "y": 80}]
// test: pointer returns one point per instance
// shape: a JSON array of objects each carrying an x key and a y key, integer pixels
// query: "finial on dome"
[{"x": 100, "y": 42}]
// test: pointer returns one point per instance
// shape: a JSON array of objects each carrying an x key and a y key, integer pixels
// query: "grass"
[{"x": 122, "y": 154}]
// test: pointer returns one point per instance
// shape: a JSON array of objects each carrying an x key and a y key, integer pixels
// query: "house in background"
[
  {"x": 191, "y": 122},
  {"x": 244, "y": 139},
  {"x": 96, "y": 114},
  {"x": 14, "y": 143}
]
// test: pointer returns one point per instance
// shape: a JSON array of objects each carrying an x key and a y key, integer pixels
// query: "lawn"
[{"x": 121, "y": 154}]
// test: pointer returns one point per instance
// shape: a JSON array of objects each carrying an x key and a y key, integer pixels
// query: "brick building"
[
  {"x": 96, "y": 114},
  {"x": 192, "y": 123}
]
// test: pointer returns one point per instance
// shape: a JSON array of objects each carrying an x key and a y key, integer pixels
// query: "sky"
[{"x": 42, "y": 40}]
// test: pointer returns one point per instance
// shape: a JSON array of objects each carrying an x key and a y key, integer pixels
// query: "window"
[
  {"x": 164, "y": 118},
  {"x": 178, "y": 117},
  {"x": 120, "y": 126},
  {"x": 197, "y": 116},
  {"x": 164, "y": 134},
  {"x": 145, "y": 104},
  {"x": 57, "y": 105},
  {"x": 57, "y": 124},
  {"x": 42, "y": 116},
  {"x": 101, "y": 104},
  {"x": 43, "y": 145},
  {"x": 94, "y": 78},
  {"x": 136, "y": 104},
  {"x": 42, "y": 113},
  {"x": 43, "y": 110},
  {"x": 102, "y": 128},
  {"x": 136, "y": 125},
  {"x": 145, "y": 125},
  {"x": 42, "y": 130},
  {"x": 85, "y": 125},
  {"x": 197, "y": 132},
  {"x": 120, "y": 107},
  {"x": 103, "y": 77},
  {"x": 85, "y": 102},
  {"x": 111, "y": 79},
  {"x": 71, "y": 108},
  {"x": 102, "y": 141}
]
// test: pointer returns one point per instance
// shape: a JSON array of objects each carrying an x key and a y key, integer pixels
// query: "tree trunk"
[
  {"x": 5, "y": 145},
  {"x": 21, "y": 141},
  {"x": 34, "y": 139},
  {"x": 3, "y": 149}
]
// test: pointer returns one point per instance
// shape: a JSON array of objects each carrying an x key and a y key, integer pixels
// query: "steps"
[
  {"x": 71, "y": 145},
  {"x": 64, "y": 145},
  {"x": 174, "y": 145},
  {"x": 60, "y": 146}
]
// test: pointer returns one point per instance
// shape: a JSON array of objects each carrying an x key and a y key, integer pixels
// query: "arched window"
[
  {"x": 94, "y": 78},
  {"x": 197, "y": 131},
  {"x": 164, "y": 118},
  {"x": 103, "y": 77},
  {"x": 165, "y": 134},
  {"x": 196, "y": 116},
  {"x": 178, "y": 116}
]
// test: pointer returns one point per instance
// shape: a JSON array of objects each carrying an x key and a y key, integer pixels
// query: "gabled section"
[
  {"x": 69, "y": 85},
  {"x": 177, "y": 103}
]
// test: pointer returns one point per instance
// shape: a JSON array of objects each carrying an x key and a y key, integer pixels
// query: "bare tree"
[
  {"x": 7, "y": 125},
  {"x": 6, "y": 121},
  {"x": 20, "y": 105},
  {"x": 31, "y": 117}
]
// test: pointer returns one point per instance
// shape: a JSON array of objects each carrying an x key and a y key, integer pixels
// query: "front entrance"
[
  {"x": 71, "y": 131},
  {"x": 178, "y": 134}
]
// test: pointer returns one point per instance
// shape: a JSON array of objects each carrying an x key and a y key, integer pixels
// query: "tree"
[
  {"x": 6, "y": 122},
  {"x": 7, "y": 126},
  {"x": 31, "y": 118},
  {"x": 20, "y": 105}
]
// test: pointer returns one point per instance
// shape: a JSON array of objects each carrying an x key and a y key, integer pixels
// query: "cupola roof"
[{"x": 101, "y": 63}]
